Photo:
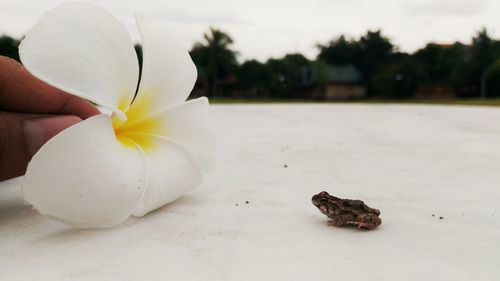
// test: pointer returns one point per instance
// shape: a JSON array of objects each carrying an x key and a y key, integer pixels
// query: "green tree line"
[{"x": 466, "y": 71}]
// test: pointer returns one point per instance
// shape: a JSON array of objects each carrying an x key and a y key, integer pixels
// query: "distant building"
[{"x": 338, "y": 82}]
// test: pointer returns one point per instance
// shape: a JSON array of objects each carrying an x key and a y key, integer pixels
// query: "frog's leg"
[{"x": 335, "y": 223}]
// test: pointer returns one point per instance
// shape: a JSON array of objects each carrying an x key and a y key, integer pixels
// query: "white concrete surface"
[{"x": 408, "y": 161}]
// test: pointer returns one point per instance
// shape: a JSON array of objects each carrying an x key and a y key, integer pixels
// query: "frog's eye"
[{"x": 323, "y": 200}]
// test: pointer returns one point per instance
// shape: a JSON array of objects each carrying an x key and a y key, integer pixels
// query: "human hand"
[{"x": 31, "y": 112}]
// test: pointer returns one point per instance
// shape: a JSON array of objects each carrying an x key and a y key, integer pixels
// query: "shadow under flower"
[{"x": 131, "y": 224}]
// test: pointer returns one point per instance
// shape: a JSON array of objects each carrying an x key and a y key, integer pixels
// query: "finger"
[
  {"x": 21, "y": 135},
  {"x": 22, "y": 92}
]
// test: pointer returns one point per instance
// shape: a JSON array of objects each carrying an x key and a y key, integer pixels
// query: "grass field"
[{"x": 475, "y": 102}]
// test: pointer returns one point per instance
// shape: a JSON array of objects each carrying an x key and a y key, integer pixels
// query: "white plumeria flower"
[{"x": 149, "y": 152}]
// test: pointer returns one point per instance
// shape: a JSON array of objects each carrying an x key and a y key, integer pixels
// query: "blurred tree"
[
  {"x": 255, "y": 78},
  {"x": 320, "y": 75},
  {"x": 442, "y": 64},
  {"x": 431, "y": 57},
  {"x": 492, "y": 76},
  {"x": 375, "y": 50},
  {"x": 9, "y": 47},
  {"x": 398, "y": 79},
  {"x": 482, "y": 54},
  {"x": 288, "y": 74},
  {"x": 215, "y": 56},
  {"x": 339, "y": 51}
]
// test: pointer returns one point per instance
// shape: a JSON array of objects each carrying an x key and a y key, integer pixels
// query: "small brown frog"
[{"x": 344, "y": 212}]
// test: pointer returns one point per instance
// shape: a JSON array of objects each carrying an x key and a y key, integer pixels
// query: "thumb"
[{"x": 21, "y": 135}]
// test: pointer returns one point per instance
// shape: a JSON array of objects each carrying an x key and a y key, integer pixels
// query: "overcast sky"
[{"x": 272, "y": 28}]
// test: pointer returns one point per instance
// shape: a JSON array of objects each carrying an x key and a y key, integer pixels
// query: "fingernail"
[{"x": 37, "y": 131}]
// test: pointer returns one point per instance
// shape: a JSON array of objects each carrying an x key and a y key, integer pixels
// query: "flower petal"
[
  {"x": 168, "y": 72},
  {"x": 188, "y": 123},
  {"x": 85, "y": 177},
  {"x": 173, "y": 171},
  {"x": 85, "y": 51}
]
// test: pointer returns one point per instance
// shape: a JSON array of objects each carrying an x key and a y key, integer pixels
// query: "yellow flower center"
[{"x": 139, "y": 128}]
